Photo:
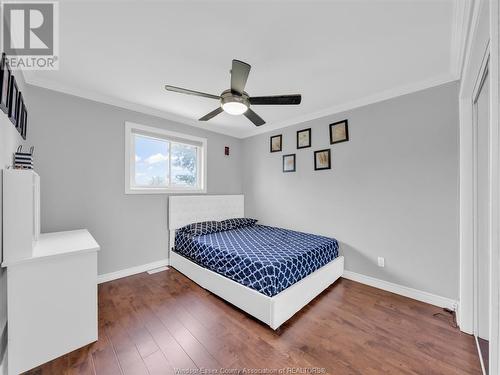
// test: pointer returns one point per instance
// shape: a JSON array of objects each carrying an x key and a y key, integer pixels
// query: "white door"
[{"x": 482, "y": 120}]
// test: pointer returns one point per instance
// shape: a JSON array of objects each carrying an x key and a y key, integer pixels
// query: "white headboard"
[{"x": 188, "y": 209}]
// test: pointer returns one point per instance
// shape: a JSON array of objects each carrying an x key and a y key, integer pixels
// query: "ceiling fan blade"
[
  {"x": 212, "y": 114},
  {"x": 276, "y": 100},
  {"x": 239, "y": 76},
  {"x": 190, "y": 92},
  {"x": 254, "y": 117}
]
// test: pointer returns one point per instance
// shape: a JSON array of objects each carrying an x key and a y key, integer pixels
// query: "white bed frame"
[{"x": 273, "y": 311}]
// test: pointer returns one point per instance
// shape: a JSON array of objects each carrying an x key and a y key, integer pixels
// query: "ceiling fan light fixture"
[
  {"x": 234, "y": 108},
  {"x": 235, "y": 100}
]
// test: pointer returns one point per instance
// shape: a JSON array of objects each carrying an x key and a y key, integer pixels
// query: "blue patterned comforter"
[{"x": 263, "y": 258}]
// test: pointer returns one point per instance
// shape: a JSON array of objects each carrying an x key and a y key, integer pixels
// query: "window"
[{"x": 160, "y": 161}]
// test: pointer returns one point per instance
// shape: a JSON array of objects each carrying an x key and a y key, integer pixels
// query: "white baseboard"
[
  {"x": 419, "y": 295},
  {"x": 130, "y": 271}
]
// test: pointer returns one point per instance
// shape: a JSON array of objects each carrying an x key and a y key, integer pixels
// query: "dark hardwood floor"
[{"x": 153, "y": 324}]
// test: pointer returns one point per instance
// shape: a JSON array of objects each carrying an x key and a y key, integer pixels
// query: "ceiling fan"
[{"x": 235, "y": 100}]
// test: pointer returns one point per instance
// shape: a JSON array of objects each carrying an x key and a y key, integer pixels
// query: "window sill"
[{"x": 165, "y": 191}]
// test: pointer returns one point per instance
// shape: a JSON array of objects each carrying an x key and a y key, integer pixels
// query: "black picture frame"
[
  {"x": 308, "y": 136},
  {"x": 24, "y": 122},
  {"x": 5, "y": 75},
  {"x": 294, "y": 163},
  {"x": 13, "y": 102},
  {"x": 329, "y": 159},
  {"x": 20, "y": 105},
  {"x": 280, "y": 136},
  {"x": 338, "y": 123}
]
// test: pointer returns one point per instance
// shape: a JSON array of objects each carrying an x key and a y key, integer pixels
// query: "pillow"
[
  {"x": 204, "y": 227},
  {"x": 239, "y": 222}
]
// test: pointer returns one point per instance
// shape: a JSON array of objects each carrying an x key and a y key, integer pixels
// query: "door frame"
[
  {"x": 483, "y": 75},
  {"x": 494, "y": 27},
  {"x": 483, "y": 40}
]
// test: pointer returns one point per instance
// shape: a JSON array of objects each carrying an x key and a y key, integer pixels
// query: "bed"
[{"x": 271, "y": 273}]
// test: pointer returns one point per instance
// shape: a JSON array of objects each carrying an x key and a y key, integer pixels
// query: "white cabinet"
[
  {"x": 21, "y": 218},
  {"x": 51, "y": 281}
]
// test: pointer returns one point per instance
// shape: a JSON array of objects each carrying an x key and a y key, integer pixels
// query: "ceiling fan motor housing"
[
  {"x": 234, "y": 103},
  {"x": 228, "y": 96}
]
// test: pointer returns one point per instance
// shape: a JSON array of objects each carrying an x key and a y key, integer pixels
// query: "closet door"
[{"x": 482, "y": 116}]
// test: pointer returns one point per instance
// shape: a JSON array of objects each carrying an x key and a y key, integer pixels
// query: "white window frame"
[{"x": 130, "y": 129}]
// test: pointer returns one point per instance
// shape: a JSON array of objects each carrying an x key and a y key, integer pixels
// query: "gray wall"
[
  {"x": 79, "y": 154},
  {"x": 392, "y": 190},
  {"x": 9, "y": 141}
]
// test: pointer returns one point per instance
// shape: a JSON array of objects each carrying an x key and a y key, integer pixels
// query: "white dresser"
[{"x": 51, "y": 280}]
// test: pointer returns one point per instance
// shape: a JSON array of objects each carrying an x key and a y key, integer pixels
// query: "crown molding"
[
  {"x": 367, "y": 100},
  {"x": 32, "y": 80},
  {"x": 371, "y": 99}
]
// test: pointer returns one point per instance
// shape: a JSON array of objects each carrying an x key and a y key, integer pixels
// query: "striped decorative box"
[{"x": 23, "y": 160}]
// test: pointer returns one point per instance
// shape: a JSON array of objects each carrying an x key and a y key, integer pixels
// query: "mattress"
[{"x": 266, "y": 259}]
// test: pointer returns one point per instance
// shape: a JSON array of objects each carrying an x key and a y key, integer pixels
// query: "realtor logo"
[{"x": 31, "y": 34}]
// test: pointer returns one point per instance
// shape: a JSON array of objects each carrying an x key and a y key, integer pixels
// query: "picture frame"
[
  {"x": 13, "y": 102},
  {"x": 304, "y": 138},
  {"x": 20, "y": 105},
  {"x": 276, "y": 143},
  {"x": 289, "y": 163},
  {"x": 24, "y": 122},
  {"x": 322, "y": 160},
  {"x": 339, "y": 132},
  {"x": 5, "y": 75}
]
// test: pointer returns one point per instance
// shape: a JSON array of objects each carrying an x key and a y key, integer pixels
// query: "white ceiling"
[{"x": 335, "y": 53}]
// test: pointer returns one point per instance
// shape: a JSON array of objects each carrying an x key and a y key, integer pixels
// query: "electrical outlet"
[{"x": 381, "y": 262}]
